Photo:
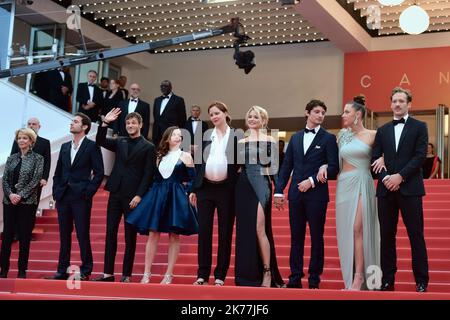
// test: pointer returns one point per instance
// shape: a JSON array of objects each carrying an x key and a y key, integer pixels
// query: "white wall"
[{"x": 285, "y": 78}]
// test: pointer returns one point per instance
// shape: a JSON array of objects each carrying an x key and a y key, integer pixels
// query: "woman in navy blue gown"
[{"x": 166, "y": 208}]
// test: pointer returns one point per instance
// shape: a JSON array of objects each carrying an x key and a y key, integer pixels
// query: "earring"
[{"x": 355, "y": 122}]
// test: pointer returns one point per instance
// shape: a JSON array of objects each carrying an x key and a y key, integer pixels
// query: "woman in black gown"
[{"x": 256, "y": 262}]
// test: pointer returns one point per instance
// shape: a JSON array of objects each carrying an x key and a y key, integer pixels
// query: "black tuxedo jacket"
[
  {"x": 323, "y": 150},
  {"x": 54, "y": 82},
  {"x": 143, "y": 108},
  {"x": 132, "y": 173},
  {"x": 232, "y": 159},
  {"x": 83, "y": 97},
  {"x": 83, "y": 176},
  {"x": 202, "y": 126},
  {"x": 42, "y": 147},
  {"x": 407, "y": 160},
  {"x": 174, "y": 115}
]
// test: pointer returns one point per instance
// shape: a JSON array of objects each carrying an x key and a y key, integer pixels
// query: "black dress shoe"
[
  {"x": 58, "y": 276},
  {"x": 387, "y": 287},
  {"x": 22, "y": 275},
  {"x": 125, "y": 279},
  {"x": 421, "y": 287},
  {"x": 84, "y": 277},
  {"x": 294, "y": 285},
  {"x": 313, "y": 286},
  {"x": 104, "y": 279}
]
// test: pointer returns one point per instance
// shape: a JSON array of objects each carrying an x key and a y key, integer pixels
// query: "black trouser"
[
  {"x": 118, "y": 206},
  {"x": 412, "y": 215},
  {"x": 210, "y": 197},
  {"x": 23, "y": 216},
  {"x": 73, "y": 209},
  {"x": 314, "y": 213},
  {"x": 39, "y": 191}
]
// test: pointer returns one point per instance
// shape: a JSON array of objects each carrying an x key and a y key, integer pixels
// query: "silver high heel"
[
  {"x": 167, "y": 279},
  {"x": 146, "y": 277}
]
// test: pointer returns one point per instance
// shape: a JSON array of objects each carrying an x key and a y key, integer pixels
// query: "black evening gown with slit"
[{"x": 254, "y": 186}]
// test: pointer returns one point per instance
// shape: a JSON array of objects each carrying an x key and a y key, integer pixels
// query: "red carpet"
[{"x": 44, "y": 255}]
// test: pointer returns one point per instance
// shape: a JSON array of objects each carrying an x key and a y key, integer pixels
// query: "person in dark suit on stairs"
[
  {"x": 130, "y": 179},
  {"x": 403, "y": 143},
  {"x": 134, "y": 104},
  {"x": 89, "y": 97},
  {"x": 308, "y": 150},
  {"x": 196, "y": 128},
  {"x": 78, "y": 175},
  {"x": 60, "y": 87},
  {"x": 168, "y": 110}
]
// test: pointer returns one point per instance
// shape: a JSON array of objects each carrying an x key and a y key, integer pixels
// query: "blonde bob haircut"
[
  {"x": 262, "y": 114},
  {"x": 28, "y": 132}
]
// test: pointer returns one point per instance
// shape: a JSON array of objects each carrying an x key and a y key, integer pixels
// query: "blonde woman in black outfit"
[{"x": 21, "y": 178}]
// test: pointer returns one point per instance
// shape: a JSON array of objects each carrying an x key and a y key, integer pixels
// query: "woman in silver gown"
[{"x": 357, "y": 226}]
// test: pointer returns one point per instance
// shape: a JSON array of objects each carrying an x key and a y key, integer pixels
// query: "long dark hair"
[{"x": 164, "y": 144}]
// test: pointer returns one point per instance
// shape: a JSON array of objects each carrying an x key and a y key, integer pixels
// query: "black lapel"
[
  {"x": 169, "y": 104},
  {"x": 80, "y": 152},
  {"x": 404, "y": 132},
  {"x": 302, "y": 136},
  {"x": 391, "y": 135},
  {"x": 123, "y": 147}
]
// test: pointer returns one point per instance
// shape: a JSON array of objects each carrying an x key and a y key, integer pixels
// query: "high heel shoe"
[
  {"x": 358, "y": 282},
  {"x": 167, "y": 279},
  {"x": 267, "y": 277},
  {"x": 146, "y": 277}
]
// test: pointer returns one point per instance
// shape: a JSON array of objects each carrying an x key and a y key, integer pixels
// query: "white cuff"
[
  {"x": 386, "y": 177},
  {"x": 278, "y": 195},
  {"x": 312, "y": 181}
]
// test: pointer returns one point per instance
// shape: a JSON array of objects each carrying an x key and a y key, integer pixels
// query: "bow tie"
[
  {"x": 133, "y": 100},
  {"x": 313, "y": 131},
  {"x": 396, "y": 122},
  {"x": 166, "y": 97},
  {"x": 195, "y": 119},
  {"x": 91, "y": 85}
]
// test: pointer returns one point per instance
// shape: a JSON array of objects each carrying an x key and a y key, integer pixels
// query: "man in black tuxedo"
[
  {"x": 308, "y": 150},
  {"x": 403, "y": 144},
  {"x": 59, "y": 88},
  {"x": 134, "y": 104},
  {"x": 78, "y": 175},
  {"x": 42, "y": 147},
  {"x": 169, "y": 110},
  {"x": 89, "y": 97},
  {"x": 196, "y": 128},
  {"x": 130, "y": 179}
]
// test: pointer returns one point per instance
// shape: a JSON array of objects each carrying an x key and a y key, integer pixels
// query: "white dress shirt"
[
  {"x": 164, "y": 103},
  {"x": 398, "y": 129},
  {"x": 63, "y": 76},
  {"x": 74, "y": 149},
  {"x": 194, "y": 125},
  {"x": 91, "y": 93},
  {"x": 132, "y": 105},
  {"x": 216, "y": 167},
  {"x": 308, "y": 138}
]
